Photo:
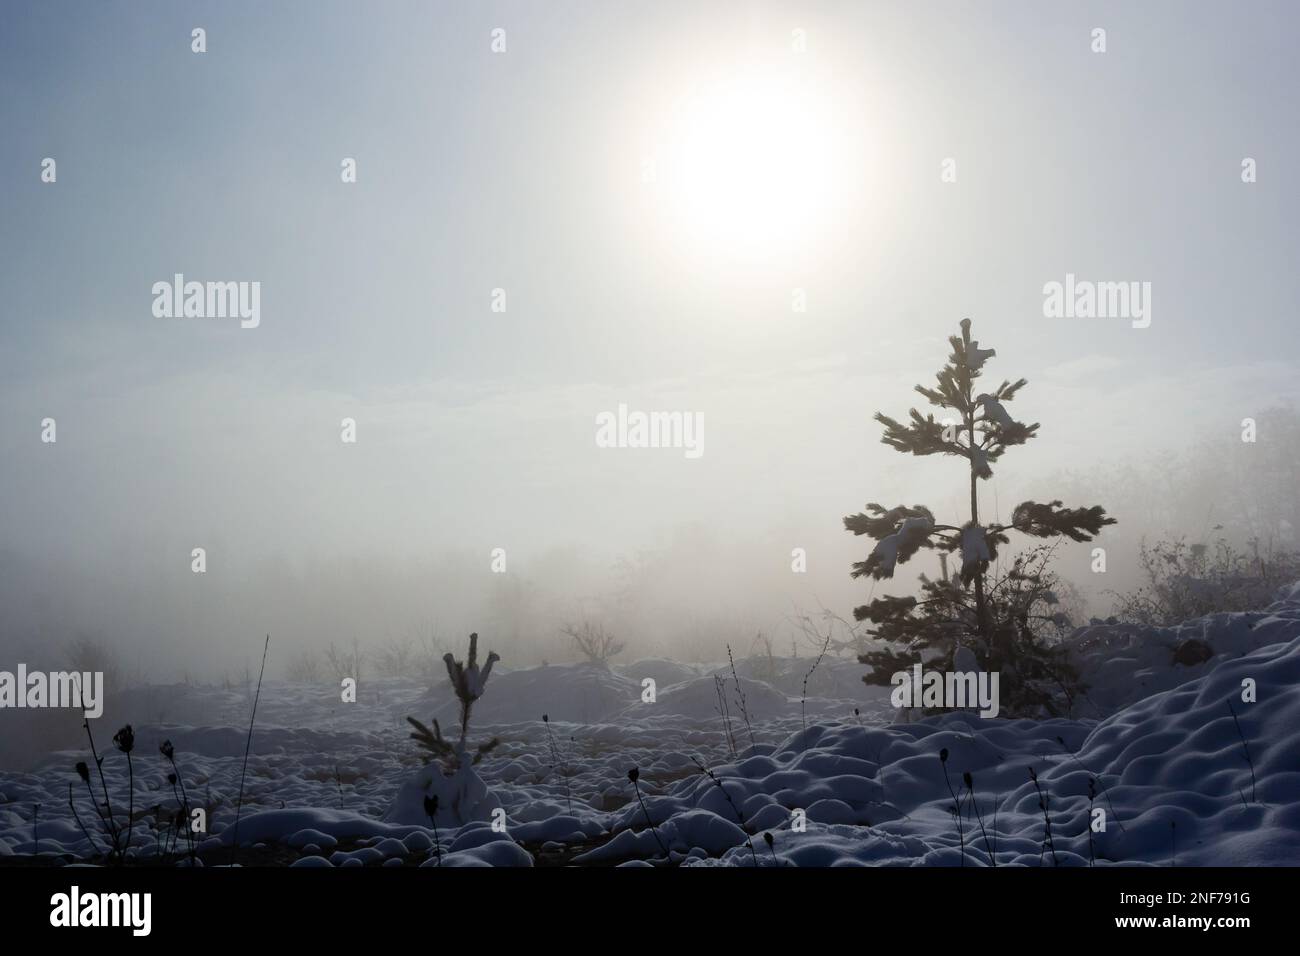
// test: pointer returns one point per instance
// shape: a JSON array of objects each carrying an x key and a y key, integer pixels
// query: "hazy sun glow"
[{"x": 748, "y": 165}]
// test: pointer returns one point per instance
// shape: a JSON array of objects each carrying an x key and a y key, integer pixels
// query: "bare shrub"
[
  {"x": 1186, "y": 581},
  {"x": 342, "y": 664},
  {"x": 305, "y": 667},
  {"x": 87, "y": 654},
  {"x": 596, "y": 643},
  {"x": 395, "y": 658}
]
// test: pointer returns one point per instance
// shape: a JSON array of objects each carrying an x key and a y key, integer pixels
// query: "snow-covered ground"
[{"x": 833, "y": 780}]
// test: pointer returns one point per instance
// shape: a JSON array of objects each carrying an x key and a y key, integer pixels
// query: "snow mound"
[
  {"x": 1171, "y": 773},
  {"x": 462, "y": 797},
  {"x": 664, "y": 673},
  {"x": 1193, "y": 758},
  {"x": 1123, "y": 663}
]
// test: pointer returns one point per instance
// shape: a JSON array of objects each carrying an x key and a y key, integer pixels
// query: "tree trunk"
[{"x": 981, "y": 612}]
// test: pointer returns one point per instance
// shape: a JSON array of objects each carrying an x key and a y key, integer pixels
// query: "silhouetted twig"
[
  {"x": 970, "y": 786},
  {"x": 740, "y": 697},
  {"x": 634, "y": 775},
  {"x": 1104, "y": 792},
  {"x": 956, "y": 804},
  {"x": 1048, "y": 844},
  {"x": 248, "y": 745},
  {"x": 1236, "y": 723},
  {"x": 555, "y": 759},
  {"x": 76, "y": 816},
  {"x": 734, "y": 809},
  {"x": 431, "y": 811}
]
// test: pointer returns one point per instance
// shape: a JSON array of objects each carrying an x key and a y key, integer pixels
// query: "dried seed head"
[
  {"x": 124, "y": 739},
  {"x": 634, "y": 774}
]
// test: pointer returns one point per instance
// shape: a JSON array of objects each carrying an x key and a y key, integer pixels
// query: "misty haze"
[{"x": 727, "y": 435}]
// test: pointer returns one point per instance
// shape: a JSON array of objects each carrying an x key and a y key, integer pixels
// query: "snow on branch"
[
  {"x": 912, "y": 534},
  {"x": 877, "y": 523}
]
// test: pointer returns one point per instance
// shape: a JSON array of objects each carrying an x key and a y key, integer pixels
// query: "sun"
[{"x": 748, "y": 165}]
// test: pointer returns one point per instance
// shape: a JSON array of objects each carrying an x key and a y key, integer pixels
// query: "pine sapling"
[
  {"x": 469, "y": 684},
  {"x": 976, "y": 429}
]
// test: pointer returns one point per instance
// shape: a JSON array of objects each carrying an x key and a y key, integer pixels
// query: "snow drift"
[{"x": 1180, "y": 762}]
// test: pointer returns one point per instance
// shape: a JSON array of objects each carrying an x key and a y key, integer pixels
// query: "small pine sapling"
[
  {"x": 1001, "y": 626},
  {"x": 469, "y": 683}
]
